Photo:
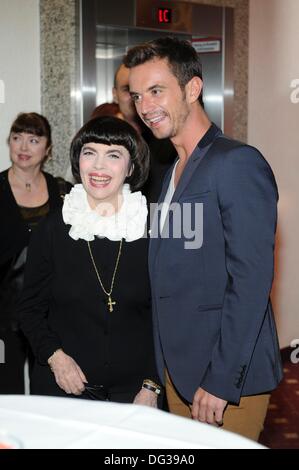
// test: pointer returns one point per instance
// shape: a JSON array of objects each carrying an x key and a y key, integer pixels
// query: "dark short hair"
[
  {"x": 181, "y": 56},
  {"x": 111, "y": 130},
  {"x": 32, "y": 123},
  {"x": 105, "y": 109}
]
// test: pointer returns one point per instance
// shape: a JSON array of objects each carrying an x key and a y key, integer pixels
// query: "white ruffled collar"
[{"x": 128, "y": 223}]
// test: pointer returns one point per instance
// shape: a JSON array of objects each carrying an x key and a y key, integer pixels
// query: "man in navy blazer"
[{"x": 211, "y": 250}]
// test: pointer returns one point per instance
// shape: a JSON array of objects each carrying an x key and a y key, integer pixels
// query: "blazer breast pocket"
[{"x": 195, "y": 196}]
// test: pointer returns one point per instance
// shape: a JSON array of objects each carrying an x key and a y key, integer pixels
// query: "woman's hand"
[
  {"x": 146, "y": 397},
  {"x": 68, "y": 374}
]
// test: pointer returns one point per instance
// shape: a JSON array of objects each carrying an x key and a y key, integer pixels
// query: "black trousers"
[{"x": 14, "y": 346}]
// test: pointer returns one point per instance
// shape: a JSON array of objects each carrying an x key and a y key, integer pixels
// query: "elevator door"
[
  {"x": 110, "y": 28},
  {"x": 112, "y": 43}
]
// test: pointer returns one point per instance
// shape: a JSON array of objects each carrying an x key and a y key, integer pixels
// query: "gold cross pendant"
[{"x": 110, "y": 303}]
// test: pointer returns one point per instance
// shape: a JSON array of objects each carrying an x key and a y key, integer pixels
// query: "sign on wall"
[{"x": 206, "y": 45}]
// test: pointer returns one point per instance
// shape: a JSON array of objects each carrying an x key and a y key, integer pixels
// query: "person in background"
[
  {"x": 107, "y": 109},
  {"x": 215, "y": 336},
  {"x": 122, "y": 97},
  {"x": 162, "y": 152},
  {"x": 27, "y": 195},
  {"x": 86, "y": 303}
]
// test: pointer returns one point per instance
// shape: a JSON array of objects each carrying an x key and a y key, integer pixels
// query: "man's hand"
[
  {"x": 207, "y": 408},
  {"x": 68, "y": 374}
]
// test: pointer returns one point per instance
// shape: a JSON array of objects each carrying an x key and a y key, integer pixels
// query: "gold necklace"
[
  {"x": 110, "y": 303},
  {"x": 26, "y": 183}
]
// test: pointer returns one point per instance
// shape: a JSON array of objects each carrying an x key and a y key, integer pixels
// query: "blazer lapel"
[
  {"x": 155, "y": 218},
  {"x": 193, "y": 162}
]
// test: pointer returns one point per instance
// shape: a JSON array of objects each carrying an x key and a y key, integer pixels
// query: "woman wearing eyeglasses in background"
[
  {"x": 27, "y": 194},
  {"x": 86, "y": 306}
]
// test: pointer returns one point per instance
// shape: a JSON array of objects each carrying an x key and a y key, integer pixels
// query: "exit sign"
[{"x": 164, "y": 15}]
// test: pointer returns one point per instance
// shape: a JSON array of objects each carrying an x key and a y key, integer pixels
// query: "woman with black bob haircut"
[
  {"x": 86, "y": 307},
  {"x": 111, "y": 130}
]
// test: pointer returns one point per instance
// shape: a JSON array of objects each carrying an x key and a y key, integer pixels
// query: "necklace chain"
[
  {"x": 108, "y": 293},
  {"x": 26, "y": 183}
]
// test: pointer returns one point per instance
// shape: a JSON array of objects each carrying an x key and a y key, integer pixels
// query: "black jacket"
[
  {"x": 14, "y": 239},
  {"x": 63, "y": 305}
]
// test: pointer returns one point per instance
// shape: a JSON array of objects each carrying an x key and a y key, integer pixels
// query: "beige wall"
[
  {"x": 240, "y": 62},
  {"x": 273, "y": 126},
  {"x": 19, "y": 64}
]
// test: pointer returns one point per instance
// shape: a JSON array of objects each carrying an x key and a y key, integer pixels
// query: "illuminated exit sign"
[{"x": 164, "y": 15}]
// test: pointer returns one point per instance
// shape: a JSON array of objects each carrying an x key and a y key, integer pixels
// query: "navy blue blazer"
[{"x": 213, "y": 321}]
